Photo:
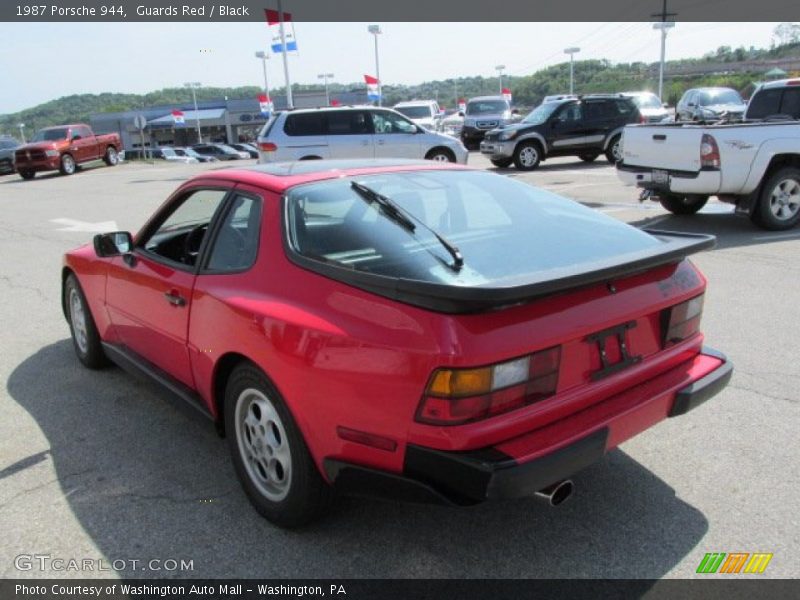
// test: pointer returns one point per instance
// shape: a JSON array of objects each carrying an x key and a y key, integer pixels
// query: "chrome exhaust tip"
[{"x": 556, "y": 494}]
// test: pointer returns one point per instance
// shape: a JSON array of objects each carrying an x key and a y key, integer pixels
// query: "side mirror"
[
  {"x": 113, "y": 244},
  {"x": 76, "y": 138}
]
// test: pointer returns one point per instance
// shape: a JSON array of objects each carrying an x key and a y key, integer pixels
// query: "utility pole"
[
  {"x": 664, "y": 26},
  {"x": 326, "y": 76},
  {"x": 376, "y": 31},
  {"x": 289, "y": 100},
  {"x": 499, "y": 69},
  {"x": 571, "y": 52},
  {"x": 263, "y": 56},
  {"x": 193, "y": 86}
]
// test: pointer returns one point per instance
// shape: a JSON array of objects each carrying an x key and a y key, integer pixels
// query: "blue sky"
[{"x": 43, "y": 61}]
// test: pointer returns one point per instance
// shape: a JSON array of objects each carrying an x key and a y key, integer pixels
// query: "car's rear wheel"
[
  {"x": 527, "y": 156},
  {"x": 67, "y": 165},
  {"x": 683, "y": 205},
  {"x": 502, "y": 163},
  {"x": 778, "y": 206},
  {"x": 111, "y": 157},
  {"x": 589, "y": 156},
  {"x": 269, "y": 454},
  {"x": 85, "y": 338},
  {"x": 614, "y": 150},
  {"x": 27, "y": 173},
  {"x": 440, "y": 155}
]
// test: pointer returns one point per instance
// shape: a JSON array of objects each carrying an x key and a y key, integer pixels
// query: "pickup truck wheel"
[
  {"x": 111, "y": 157},
  {"x": 683, "y": 205},
  {"x": 27, "y": 173},
  {"x": 502, "y": 163},
  {"x": 588, "y": 156},
  {"x": 614, "y": 150},
  {"x": 779, "y": 205},
  {"x": 67, "y": 165},
  {"x": 527, "y": 156},
  {"x": 85, "y": 338},
  {"x": 271, "y": 459}
]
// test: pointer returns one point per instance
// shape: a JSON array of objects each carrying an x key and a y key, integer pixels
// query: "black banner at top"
[{"x": 398, "y": 11}]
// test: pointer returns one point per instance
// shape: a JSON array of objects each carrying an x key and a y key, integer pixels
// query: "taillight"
[
  {"x": 682, "y": 321},
  {"x": 456, "y": 396},
  {"x": 793, "y": 82},
  {"x": 709, "y": 152},
  {"x": 267, "y": 146}
]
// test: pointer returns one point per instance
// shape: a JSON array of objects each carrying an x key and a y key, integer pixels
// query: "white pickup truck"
[{"x": 754, "y": 165}]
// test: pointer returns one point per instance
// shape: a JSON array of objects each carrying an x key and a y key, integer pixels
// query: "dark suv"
[
  {"x": 586, "y": 126},
  {"x": 7, "y": 146}
]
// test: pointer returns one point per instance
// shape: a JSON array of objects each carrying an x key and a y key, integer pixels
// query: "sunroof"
[{"x": 303, "y": 167}]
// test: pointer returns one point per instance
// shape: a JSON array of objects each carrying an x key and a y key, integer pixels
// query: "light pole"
[
  {"x": 376, "y": 31},
  {"x": 264, "y": 56},
  {"x": 664, "y": 26},
  {"x": 289, "y": 99},
  {"x": 499, "y": 69},
  {"x": 193, "y": 85},
  {"x": 22, "y": 132},
  {"x": 571, "y": 52},
  {"x": 326, "y": 76}
]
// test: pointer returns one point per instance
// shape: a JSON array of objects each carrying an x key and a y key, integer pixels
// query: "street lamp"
[
  {"x": 22, "y": 132},
  {"x": 193, "y": 85},
  {"x": 264, "y": 56},
  {"x": 376, "y": 31},
  {"x": 664, "y": 26},
  {"x": 571, "y": 52},
  {"x": 326, "y": 76},
  {"x": 499, "y": 69}
]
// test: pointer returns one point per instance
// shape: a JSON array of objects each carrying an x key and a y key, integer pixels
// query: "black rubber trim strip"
[
  {"x": 135, "y": 364},
  {"x": 703, "y": 389}
]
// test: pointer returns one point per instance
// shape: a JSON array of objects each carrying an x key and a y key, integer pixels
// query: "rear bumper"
[
  {"x": 677, "y": 182},
  {"x": 522, "y": 466}
]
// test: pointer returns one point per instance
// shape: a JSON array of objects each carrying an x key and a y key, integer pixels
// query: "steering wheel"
[{"x": 192, "y": 243}]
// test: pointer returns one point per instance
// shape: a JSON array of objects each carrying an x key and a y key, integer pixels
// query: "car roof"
[
  {"x": 416, "y": 103},
  {"x": 484, "y": 98},
  {"x": 780, "y": 83},
  {"x": 279, "y": 177}
]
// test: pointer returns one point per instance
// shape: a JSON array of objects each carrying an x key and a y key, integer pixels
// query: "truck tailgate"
[{"x": 668, "y": 147}]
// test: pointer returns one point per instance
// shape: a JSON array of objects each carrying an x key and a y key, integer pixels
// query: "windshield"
[
  {"x": 647, "y": 101},
  {"x": 719, "y": 97},
  {"x": 484, "y": 215},
  {"x": 50, "y": 135},
  {"x": 415, "y": 112},
  {"x": 227, "y": 149},
  {"x": 487, "y": 107},
  {"x": 168, "y": 152},
  {"x": 541, "y": 113},
  {"x": 8, "y": 144}
]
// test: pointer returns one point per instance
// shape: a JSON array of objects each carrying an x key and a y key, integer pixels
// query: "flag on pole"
[
  {"x": 507, "y": 94},
  {"x": 177, "y": 117},
  {"x": 273, "y": 21},
  {"x": 372, "y": 88},
  {"x": 265, "y": 102},
  {"x": 462, "y": 105}
]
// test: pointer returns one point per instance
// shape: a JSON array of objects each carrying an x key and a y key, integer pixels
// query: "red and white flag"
[
  {"x": 177, "y": 117},
  {"x": 507, "y": 94},
  {"x": 265, "y": 102},
  {"x": 274, "y": 24},
  {"x": 373, "y": 92}
]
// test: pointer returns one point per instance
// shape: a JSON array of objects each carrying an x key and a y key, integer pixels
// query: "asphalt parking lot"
[{"x": 98, "y": 465}]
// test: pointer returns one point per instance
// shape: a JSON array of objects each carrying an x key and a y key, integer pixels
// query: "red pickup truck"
[{"x": 63, "y": 148}]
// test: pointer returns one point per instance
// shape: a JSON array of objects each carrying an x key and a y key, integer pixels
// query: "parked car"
[
  {"x": 483, "y": 114},
  {"x": 192, "y": 154},
  {"x": 169, "y": 154},
  {"x": 424, "y": 331},
  {"x": 560, "y": 128},
  {"x": 425, "y": 113},
  {"x": 650, "y": 107},
  {"x": 754, "y": 165},
  {"x": 251, "y": 151},
  {"x": 352, "y": 132},
  {"x": 65, "y": 147},
  {"x": 710, "y": 104},
  {"x": 220, "y": 151},
  {"x": 8, "y": 145}
]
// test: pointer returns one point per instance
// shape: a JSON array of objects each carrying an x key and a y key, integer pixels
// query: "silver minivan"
[{"x": 352, "y": 132}]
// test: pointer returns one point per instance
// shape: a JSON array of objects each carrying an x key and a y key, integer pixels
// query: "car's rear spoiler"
[{"x": 455, "y": 300}]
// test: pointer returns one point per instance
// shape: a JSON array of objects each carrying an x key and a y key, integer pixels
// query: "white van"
[{"x": 425, "y": 113}]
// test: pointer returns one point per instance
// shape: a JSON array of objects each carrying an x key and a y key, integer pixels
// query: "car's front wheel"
[
  {"x": 683, "y": 205},
  {"x": 269, "y": 453},
  {"x": 527, "y": 156},
  {"x": 779, "y": 203},
  {"x": 85, "y": 338},
  {"x": 440, "y": 155},
  {"x": 67, "y": 165}
]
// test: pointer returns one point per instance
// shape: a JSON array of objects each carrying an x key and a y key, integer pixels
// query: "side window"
[
  {"x": 571, "y": 113},
  {"x": 301, "y": 124},
  {"x": 386, "y": 122},
  {"x": 623, "y": 107},
  {"x": 236, "y": 244},
  {"x": 765, "y": 103},
  {"x": 593, "y": 111},
  {"x": 791, "y": 102},
  {"x": 347, "y": 122},
  {"x": 80, "y": 133},
  {"x": 179, "y": 236}
]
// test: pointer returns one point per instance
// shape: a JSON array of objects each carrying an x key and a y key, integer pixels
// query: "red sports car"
[{"x": 409, "y": 329}]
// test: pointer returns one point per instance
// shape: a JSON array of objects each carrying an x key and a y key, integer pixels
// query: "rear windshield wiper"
[{"x": 397, "y": 214}]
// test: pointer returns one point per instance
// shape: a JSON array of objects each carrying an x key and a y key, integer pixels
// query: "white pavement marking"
[{"x": 75, "y": 225}]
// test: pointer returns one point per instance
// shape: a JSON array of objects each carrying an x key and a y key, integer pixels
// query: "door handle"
[{"x": 174, "y": 298}]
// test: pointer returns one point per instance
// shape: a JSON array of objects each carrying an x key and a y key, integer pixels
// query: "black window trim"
[{"x": 211, "y": 237}]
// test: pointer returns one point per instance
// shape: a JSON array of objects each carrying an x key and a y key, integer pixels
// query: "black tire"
[
  {"x": 502, "y": 163},
  {"x": 683, "y": 205},
  {"x": 440, "y": 155},
  {"x": 85, "y": 338},
  {"x": 68, "y": 166},
  {"x": 299, "y": 493},
  {"x": 527, "y": 156},
  {"x": 589, "y": 156},
  {"x": 27, "y": 173},
  {"x": 614, "y": 150},
  {"x": 778, "y": 205},
  {"x": 311, "y": 158},
  {"x": 111, "y": 158}
]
